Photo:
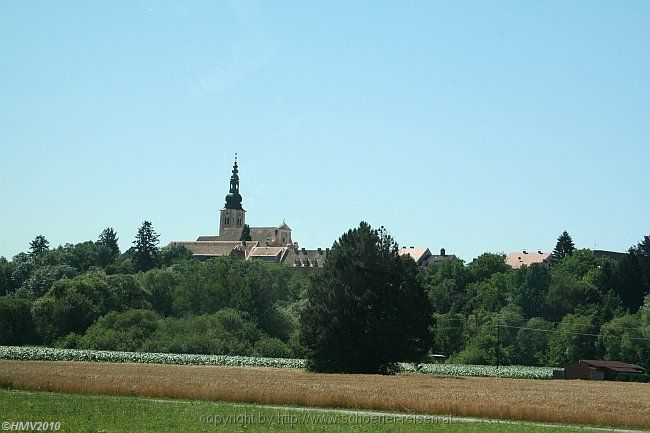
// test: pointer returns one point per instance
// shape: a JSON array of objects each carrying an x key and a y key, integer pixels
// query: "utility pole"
[{"x": 498, "y": 342}]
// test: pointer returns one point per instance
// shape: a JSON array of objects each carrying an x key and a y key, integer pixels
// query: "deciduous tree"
[{"x": 108, "y": 237}]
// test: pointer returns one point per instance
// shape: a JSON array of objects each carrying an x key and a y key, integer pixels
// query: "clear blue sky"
[{"x": 474, "y": 126}]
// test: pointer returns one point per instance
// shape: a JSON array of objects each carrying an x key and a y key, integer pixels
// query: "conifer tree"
[
  {"x": 564, "y": 246},
  {"x": 642, "y": 252},
  {"x": 145, "y": 248},
  {"x": 367, "y": 310},
  {"x": 246, "y": 234},
  {"x": 38, "y": 246},
  {"x": 643, "y": 247}
]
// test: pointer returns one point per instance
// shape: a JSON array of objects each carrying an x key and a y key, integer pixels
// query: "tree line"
[{"x": 369, "y": 308}]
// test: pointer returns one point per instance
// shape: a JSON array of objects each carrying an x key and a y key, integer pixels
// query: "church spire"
[
  {"x": 234, "y": 179},
  {"x": 234, "y": 199}
]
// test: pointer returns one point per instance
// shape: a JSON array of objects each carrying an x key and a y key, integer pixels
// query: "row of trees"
[
  {"x": 34, "y": 271},
  {"x": 582, "y": 306},
  {"x": 369, "y": 309},
  {"x": 366, "y": 311}
]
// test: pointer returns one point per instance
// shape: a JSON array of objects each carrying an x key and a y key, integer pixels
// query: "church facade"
[{"x": 272, "y": 244}]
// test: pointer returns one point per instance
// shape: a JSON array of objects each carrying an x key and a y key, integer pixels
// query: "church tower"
[{"x": 233, "y": 216}]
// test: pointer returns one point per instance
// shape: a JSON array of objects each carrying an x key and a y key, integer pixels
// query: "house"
[
  {"x": 593, "y": 369},
  {"x": 423, "y": 256},
  {"x": 419, "y": 254},
  {"x": 437, "y": 258},
  {"x": 517, "y": 259}
]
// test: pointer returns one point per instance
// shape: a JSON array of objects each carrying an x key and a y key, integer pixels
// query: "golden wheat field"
[{"x": 579, "y": 402}]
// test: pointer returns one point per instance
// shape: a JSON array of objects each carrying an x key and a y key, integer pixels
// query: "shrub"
[
  {"x": 272, "y": 348},
  {"x": 631, "y": 377},
  {"x": 121, "y": 331}
]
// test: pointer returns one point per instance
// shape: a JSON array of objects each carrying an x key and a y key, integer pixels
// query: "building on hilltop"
[
  {"x": 423, "y": 256},
  {"x": 269, "y": 244},
  {"x": 517, "y": 259}
]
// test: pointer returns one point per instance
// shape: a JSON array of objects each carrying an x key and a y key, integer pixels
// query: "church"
[{"x": 237, "y": 239}]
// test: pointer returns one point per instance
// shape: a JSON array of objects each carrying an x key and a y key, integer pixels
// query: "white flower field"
[{"x": 33, "y": 353}]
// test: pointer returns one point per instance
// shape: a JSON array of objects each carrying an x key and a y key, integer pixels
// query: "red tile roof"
[{"x": 517, "y": 259}]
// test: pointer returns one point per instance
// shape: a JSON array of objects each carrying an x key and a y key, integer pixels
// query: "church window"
[{"x": 227, "y": 221}]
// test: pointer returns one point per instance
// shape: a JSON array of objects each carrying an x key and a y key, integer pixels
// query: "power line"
[
  {"x": 554, "y": 331},
  {"x": 473, "y": 321}
]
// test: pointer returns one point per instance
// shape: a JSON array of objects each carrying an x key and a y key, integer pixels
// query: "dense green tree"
[
  {"x": 645, "y": 313},
  {"x": 16, "y": 326},
  {"x": 633, "y": 283},
  {"x": 574, "y": 339},
  {"x": 449, "y": 333},
  {"x": 578, "y": 263},
  {"x": 531, "y": 292},
  {"x": 127, "y": 331},
  {"x": 108, "y": 238},
  {"x": 72, "y": 305},
  {"x": 207, "y": 288},
  {"x": 642, "y": 251},
  {"x": 609, "y": 307},
  {"x": 508, "y": 321},
  {"x": 160, "y": 285},
  {"x": 486, "y": 265},
  {"x": 82, "y": 256},
  {"x": 127, "y": 292},
  {"x": 173, "y": 254},
  {"x": 480, "y": 348},
  {"x": 57, "y": 317},
  {"x": 38, "y": 246},
  {"x": 564, "y": 246},
  {"x": 92, "y": 286},
  {"x": 22, "y": 266},
  {"x": 565, "y": 294},
  {"x": 145, "y": 247},
  {"x": 272, "y": 348},
  {"x": 531, "y": 347},
  {"x": 251, "y": 287},
  {"x": 226, "y": 332},
  {"x": 489, "y": 295},
  {"x": 446, "y": 284},
  {"x": 6, "y": 282},
  {"x": 623, "y": 339},
  {"x": 42, "y": 277},
  {"x": 494, "y": 334},
  {"x": 367, "y": 309},
  {"x": 643, "y": 247},
  {"x": 605, "y": 275}
]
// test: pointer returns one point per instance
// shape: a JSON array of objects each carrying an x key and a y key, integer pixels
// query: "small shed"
[{"x": 594, "y": 369}]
